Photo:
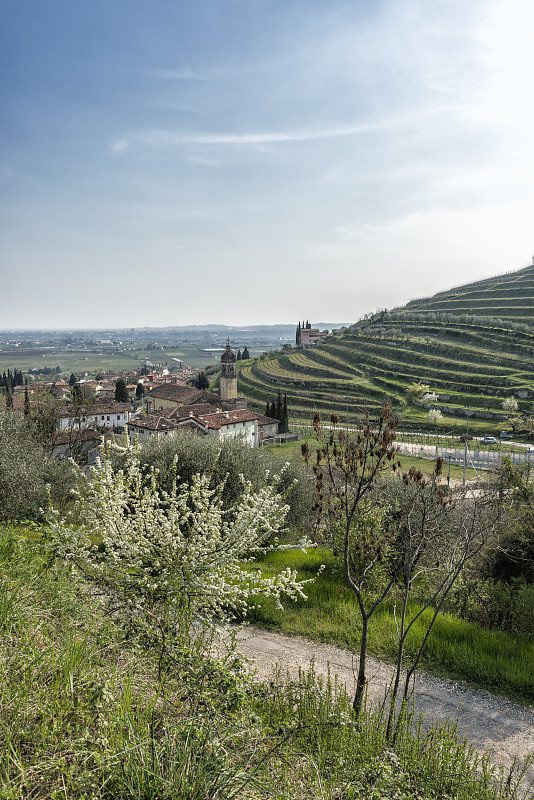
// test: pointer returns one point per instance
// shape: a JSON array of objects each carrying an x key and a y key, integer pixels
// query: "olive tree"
[
  {"x": 26, "y": 469},
  {"x": 181, "y": 456}
]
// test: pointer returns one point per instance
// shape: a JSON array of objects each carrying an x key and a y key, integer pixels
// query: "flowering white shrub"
[
  {"x": 148, "y": 544},
  {"x": 435, "y": 415},
  {"x": 510, "y": 404},
  {"x": 430, "y": 397}
]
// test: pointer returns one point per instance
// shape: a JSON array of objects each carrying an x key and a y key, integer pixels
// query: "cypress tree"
[
  {"x": 268, "y": 409},
  {"x": 279, "y": 406},
  {"x": 121, "y": 392},
  {"x": 246, "y": 354},
  {"x": 9, "y": 396},
  {"x": 26, "y": 402},
  {"x": 285, "y": 419},
  {"x": 72, "y": 379},
  {"x": 238, "y": 357}
]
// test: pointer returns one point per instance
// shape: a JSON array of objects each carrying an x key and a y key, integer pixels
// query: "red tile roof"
[
  {"x": 217, "y": 421},
  {"x": 180, "y": 394}
]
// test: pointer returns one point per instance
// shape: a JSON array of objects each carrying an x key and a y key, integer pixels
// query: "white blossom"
[{"x": 181, "y": 546}]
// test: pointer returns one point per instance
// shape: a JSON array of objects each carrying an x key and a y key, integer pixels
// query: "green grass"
[
  {"x": 86, "y": 715},
  {"x": 491, "y": 660},
  {"x": 291, "y": 451}
]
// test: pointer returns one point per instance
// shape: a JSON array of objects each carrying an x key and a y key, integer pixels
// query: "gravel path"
[{"x": 491, "y": 723}]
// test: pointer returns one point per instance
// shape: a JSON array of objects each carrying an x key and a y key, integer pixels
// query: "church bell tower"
[{"x": 228, "y": 374}]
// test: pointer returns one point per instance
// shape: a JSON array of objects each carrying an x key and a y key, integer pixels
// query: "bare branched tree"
[
  {"x": 346, "y": 468},
  {"x": 392, "y": 542}
]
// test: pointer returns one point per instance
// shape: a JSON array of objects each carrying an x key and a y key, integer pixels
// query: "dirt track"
[{"x": 490, "y": 723}]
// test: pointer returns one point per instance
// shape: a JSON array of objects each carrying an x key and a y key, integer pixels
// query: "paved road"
[{"x": 491, "y": 723}]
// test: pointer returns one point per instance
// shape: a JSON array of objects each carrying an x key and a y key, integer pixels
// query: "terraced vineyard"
[
  {"x": 509, "y": 296},
  {"x": 470, "y": 360}
]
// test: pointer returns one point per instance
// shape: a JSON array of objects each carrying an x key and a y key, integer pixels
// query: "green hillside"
[
  {"x": 468, "y": 357},
  {"x": 509, "y": 296}
]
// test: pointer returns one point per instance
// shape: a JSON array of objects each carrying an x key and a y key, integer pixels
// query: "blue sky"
[{"x": 258, "y": 161}]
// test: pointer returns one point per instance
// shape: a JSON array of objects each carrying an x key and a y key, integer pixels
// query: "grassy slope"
[
  {"x": 470, "y": 363},
  {"x": 84, "y": 716},
  {"x": 507, "y": 296}
]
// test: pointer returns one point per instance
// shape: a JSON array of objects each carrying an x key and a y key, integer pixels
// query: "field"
[{"x": 84, "y": 361}]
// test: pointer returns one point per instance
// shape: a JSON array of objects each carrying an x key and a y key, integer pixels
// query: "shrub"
[
  {"x": 26, "y": 470},
  {"x": 225, "y": 461},
  {"x": 148, "y": 545}
]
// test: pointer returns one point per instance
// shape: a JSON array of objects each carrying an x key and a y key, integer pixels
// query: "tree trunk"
[{"x": 362, "y": 680}]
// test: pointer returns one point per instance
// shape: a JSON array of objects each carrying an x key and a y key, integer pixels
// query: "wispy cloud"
[
  {"x": 119, "y": 146},
  {"x": 157, "y": 137},
  {"x": 178, "y": 74}
]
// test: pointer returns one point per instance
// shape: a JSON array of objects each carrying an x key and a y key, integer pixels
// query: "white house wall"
[{"x": 100, "y": 420}]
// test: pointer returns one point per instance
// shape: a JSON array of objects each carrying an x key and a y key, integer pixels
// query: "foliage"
[
  {"x": 434, "y": 537},
  {"x": 390, "y": 549},
  {"x": 514, "y": 557},
  {"x": 497, "y": 605},
  {"x": 86, "y": 716},
  {"x": 121, "y": 392},
  {"x": 179, "y": 545},
  {"x": 435, "y": 416},
  {"x": 225, "y": 461},
  {"x": 510, "y": 404},
  {"x": 26, "y": 470},
  {"x": 202, "y": 381},
  {"x": 430, "y": 397},
  {"x": 417, "y": 390},
  {"x": 9, "y": 396},
  {"x": 346, "y": 469}
]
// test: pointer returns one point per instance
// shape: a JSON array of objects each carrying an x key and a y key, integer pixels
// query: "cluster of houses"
[
  {"x": 171, "y": 407},
  {"x": 104, "y": 389}
]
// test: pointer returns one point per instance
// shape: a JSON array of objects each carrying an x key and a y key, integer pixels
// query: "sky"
[{"x": 178, "y": 162}]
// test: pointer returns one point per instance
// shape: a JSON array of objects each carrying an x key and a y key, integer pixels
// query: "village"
[{"x": 75, "y": 416}]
